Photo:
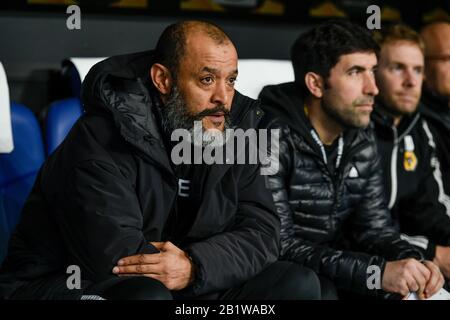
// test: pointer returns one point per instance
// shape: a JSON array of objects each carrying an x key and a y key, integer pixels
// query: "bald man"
[
  {"x": 112, "y": 209},
  {"x": 437, "y": 55},
  {"x": 436, "y": 93}
]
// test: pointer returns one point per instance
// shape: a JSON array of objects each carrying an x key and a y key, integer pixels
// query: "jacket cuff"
[
  {"x": 199, "y": 273},
  {"x": 365, "y": 279},
  {"x": 430, "y": 251}
]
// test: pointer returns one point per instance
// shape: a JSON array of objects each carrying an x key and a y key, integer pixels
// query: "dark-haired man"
[
  {"x": 112, "y": 204},
  {"x": 328, "y": 191}
]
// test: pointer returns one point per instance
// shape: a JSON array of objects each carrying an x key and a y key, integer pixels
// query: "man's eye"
[
  {"x": 207, "y": 80},
  {"x": 418, "y": 71},
  {"x": 232, "y": 81},
  {"x": 353, "y": 72}
]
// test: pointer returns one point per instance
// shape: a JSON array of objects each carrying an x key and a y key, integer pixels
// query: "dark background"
[
  {"x": 32, "y": 45},
  {"x": 34, "y": 38}
]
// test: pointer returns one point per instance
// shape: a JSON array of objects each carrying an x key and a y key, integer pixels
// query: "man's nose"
[
  {"x": 370, "y": 86},
  {"x": 411, "y": 79},
  {"x": 221, "y": 94}
]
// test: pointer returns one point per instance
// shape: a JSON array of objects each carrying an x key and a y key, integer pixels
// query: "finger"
[
  {"x": 436, "y": 280},
  {"x": 432, "y": 285},
  {"x": 140, "y": 259},
  {"x": 421, "y": 274},
  {"x": 421, "y": 282},
  {"x": 435, "y": 277},
  {"x": 440, "y": 284},
  {"x": 423, "y": 268},
  {"x": 404, "y": 289},
  {"x": 411, "y": 283},
  {"x": 148, "y": 275},
  {"x": 169, "y": 245},
  {"x": 138, "y": 269}
]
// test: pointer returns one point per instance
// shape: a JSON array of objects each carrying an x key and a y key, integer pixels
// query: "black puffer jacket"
[
  {"x": 413, "y": 180},
  {"x": 437, "y": 112},
  {"x": 109, "y": 189},
  {"x": 338, "y": 225}
]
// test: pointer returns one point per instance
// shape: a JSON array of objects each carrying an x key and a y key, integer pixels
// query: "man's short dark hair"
[
  {"x": 172, "y": 42},
  {"x": 319, "y": 49}
]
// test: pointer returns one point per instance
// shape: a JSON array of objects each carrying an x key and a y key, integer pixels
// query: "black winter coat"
[
  {"x": 437, "y": 112},
  {"x": 413, "y": 180},
  {"x": 109, "y": 189},
  {"x": 338, "y": 225}
]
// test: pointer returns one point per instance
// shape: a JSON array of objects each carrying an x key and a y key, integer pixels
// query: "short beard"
[
  {"x": 394, "y": 110},
  {"x": 347, "y": 120},
  {"x": 175, "y": 115}
]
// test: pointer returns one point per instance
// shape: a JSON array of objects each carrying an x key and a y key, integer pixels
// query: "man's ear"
[
  {"x": 314, "y": 83},
  {"x": 161, "y": 78}
]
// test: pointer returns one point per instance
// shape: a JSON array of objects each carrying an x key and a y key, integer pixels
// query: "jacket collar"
[
  {"x": 436, "y": 108},
  {"x": 384, "y": 122}
]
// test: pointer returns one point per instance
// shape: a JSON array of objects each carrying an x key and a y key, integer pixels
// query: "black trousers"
[{"x": 281, "y": 281}]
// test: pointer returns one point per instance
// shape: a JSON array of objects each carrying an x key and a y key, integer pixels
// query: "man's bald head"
[
  {"x": 194, "y": 73},
  {"x": 437, "y": 57},
  {"x": 171, "y": 46},
  {"x": 436, "y": 35}
]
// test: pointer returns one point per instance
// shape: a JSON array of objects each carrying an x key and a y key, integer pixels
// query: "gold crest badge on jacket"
[{"x": 409, "y": 157}]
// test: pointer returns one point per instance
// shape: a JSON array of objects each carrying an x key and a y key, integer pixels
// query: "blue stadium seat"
[
  {"x": 18, "y": 169},
  {"x": 61, "y": 116},
  {"x": 4, "y": 234}
]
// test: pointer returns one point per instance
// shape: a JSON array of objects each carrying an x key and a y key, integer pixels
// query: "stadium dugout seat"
[
  {"x": 21, "y": 156},
  {"x": 61, "y": 116},
  {"x": 74, "y": 70},
  {"x": 6, "y": 140},
  {"x": 254, "y": 74}
]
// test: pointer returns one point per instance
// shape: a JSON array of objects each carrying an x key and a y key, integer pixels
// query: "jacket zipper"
[
  {"x": 394, "y": 157},
  {"x": 338, "y": 176}
]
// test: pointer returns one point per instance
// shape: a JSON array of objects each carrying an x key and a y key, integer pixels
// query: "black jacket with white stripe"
[
  {"x": 336, "y": 224},
  {"x": 413, "y": 180},
  {"x": 436, "y": 110}
]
